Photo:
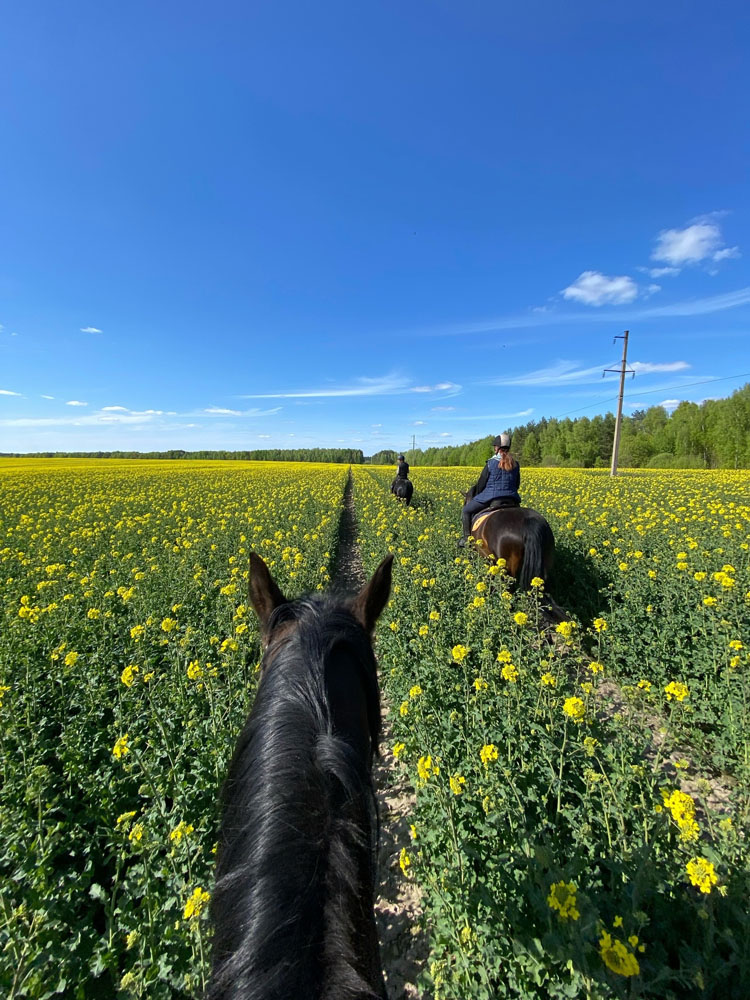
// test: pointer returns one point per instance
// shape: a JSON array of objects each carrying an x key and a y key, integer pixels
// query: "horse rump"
[{"x": 403, "y": 489}]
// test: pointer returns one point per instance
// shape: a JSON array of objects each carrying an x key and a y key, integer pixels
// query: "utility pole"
[{"x": 623, "y": 369}]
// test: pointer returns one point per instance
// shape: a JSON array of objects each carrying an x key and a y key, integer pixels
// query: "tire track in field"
[{"x": 404, "y": 945}]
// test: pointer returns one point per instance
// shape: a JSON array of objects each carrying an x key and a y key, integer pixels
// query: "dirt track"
[{"x": 404, "y": 946}]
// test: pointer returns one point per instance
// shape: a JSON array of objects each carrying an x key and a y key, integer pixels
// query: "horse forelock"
[{"x": 297, "y": 828}]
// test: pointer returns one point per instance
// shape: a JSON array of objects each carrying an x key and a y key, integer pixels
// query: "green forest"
[{"x": 714, "y": 434}]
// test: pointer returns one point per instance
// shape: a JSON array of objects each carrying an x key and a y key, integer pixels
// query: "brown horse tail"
[{"x": 538, "y": 541}]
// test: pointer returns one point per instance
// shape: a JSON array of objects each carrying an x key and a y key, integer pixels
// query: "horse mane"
[{"x": 298, "y": 821}]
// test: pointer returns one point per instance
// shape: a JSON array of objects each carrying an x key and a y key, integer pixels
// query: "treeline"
[
  {"x": 710, "y": 435},
  {"x": 343, "y": 456}
]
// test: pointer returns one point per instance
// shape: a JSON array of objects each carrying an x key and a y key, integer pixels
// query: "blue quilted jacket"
[{"x": 500, "y": 482}]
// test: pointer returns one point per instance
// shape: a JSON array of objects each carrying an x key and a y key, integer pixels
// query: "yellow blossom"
[
  {"x": 562, "y": 897},
  {"x": 195, "y": 904},
  {"x": 457, "y": 782},
  {"x": 676, "y": 690},
  {"x": 617, "y": 957},
  {"x": 575, "y": 708},
  {"x": 702, "y": 874},
  {"x": 128, "y": 675}
]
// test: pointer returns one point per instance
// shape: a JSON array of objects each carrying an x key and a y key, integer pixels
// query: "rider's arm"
[{"x": 482, "y": 481}]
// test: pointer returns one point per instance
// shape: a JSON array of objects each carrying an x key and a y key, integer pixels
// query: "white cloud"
[
  {"x": 727, "y": 253},
  {"x": 75, "y": 402},
  {"x": 660, "y": 272},
  {"x": 442, "y": 409},
  {"x": 90, "y": 329},
  {"x": 497, "y": 416},
  {"x": 9, "y": 392},
  {"x": 445, "y": 434},
  {"x": 700, "y": 241},
  {"x": 646, "y": 367},
  {"x": 115, "y": 409},
  {"x": 47, "y": 397},
  {"x": 560, "y": 373},
  {"x": 593, "y": 288},
  {"x": 669, "y": 404},
  {"x": 451, "y": 387},
  {"x": 381, "y": 386},
  {"x": 418, "y": 423},
  {"x": 221, "y": 411}
]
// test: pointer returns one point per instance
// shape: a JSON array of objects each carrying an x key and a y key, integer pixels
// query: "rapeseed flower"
[
  {"x": 617, "y": 957},
  {"x": 676, "y": 690},
  {"x": 195, "y": 904},
  {"x": 575, "y": 709},
  {"x": 702, "y": 874},
  {"x": 457, "y": 782},
  {"x": 562, "y": 897}
]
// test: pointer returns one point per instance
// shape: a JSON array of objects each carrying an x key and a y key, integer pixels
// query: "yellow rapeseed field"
[{"x": 582, "y": 802}]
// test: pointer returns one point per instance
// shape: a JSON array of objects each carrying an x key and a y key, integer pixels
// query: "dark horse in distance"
[
  {"x": 292, "y": 907},
  {"x": 403, "y": 489},
  {"x": 520, "y": 536}
]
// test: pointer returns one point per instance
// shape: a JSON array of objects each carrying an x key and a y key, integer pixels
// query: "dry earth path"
[{"x": 404, "y": 945}]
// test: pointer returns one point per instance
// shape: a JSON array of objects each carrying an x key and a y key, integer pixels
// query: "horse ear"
[
  {"x": 373, "y": 597},
  {"x": 265, "y": 595}
]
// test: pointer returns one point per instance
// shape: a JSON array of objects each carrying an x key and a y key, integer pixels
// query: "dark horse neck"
[{"x": 293, "y": 903}]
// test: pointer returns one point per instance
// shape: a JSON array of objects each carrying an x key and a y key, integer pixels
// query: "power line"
[
  {"x": 705, "y": 381},
  {"x": 648, "y": 392}
]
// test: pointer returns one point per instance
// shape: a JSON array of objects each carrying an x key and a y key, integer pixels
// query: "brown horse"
[{"x": 520, "y": 536}]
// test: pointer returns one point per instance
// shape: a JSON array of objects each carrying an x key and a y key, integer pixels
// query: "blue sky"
[{"x": 242, "y": 225}]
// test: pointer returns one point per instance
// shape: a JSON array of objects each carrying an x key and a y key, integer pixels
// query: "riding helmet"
[{"x": 501, "y": 441}]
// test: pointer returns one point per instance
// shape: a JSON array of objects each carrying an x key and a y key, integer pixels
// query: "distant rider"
[
  {"x": 500, "y": 479},
  {"x": 402, "y": 473}
]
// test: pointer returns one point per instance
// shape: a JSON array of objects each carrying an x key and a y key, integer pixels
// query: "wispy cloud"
[
  {"x": 496, "y": 416},
  {"x": 386, "y": 385},
  {"x": 75, "y": 402},
  {"x": 221, "y": 411},
  {"x": 593, "y": 288},
  {"x": 696, "y": 307},
  {"x": 46, "y": 397},
  {"x": 90, "y": 329},
  {"x": 87, "y": 420},
  {"x": 9, "y": 392},
  {"x": 560, "y": 373},
  {"x": 647, "y": 368},
  {"x": 450, "y": 387},
  {"x": 556, "y": 317},
  {"x": 660, "y": 272},
  {"x": 566, "y": 373}
]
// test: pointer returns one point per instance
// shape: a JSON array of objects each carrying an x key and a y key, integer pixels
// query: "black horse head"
[{"x": 293, "y": 903}]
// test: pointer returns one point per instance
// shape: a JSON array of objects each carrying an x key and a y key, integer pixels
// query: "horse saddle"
[{"x": 497, "y": 504}]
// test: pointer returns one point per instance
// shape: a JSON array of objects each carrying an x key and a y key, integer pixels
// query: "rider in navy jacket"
[{"x": 500, "y": 478}]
